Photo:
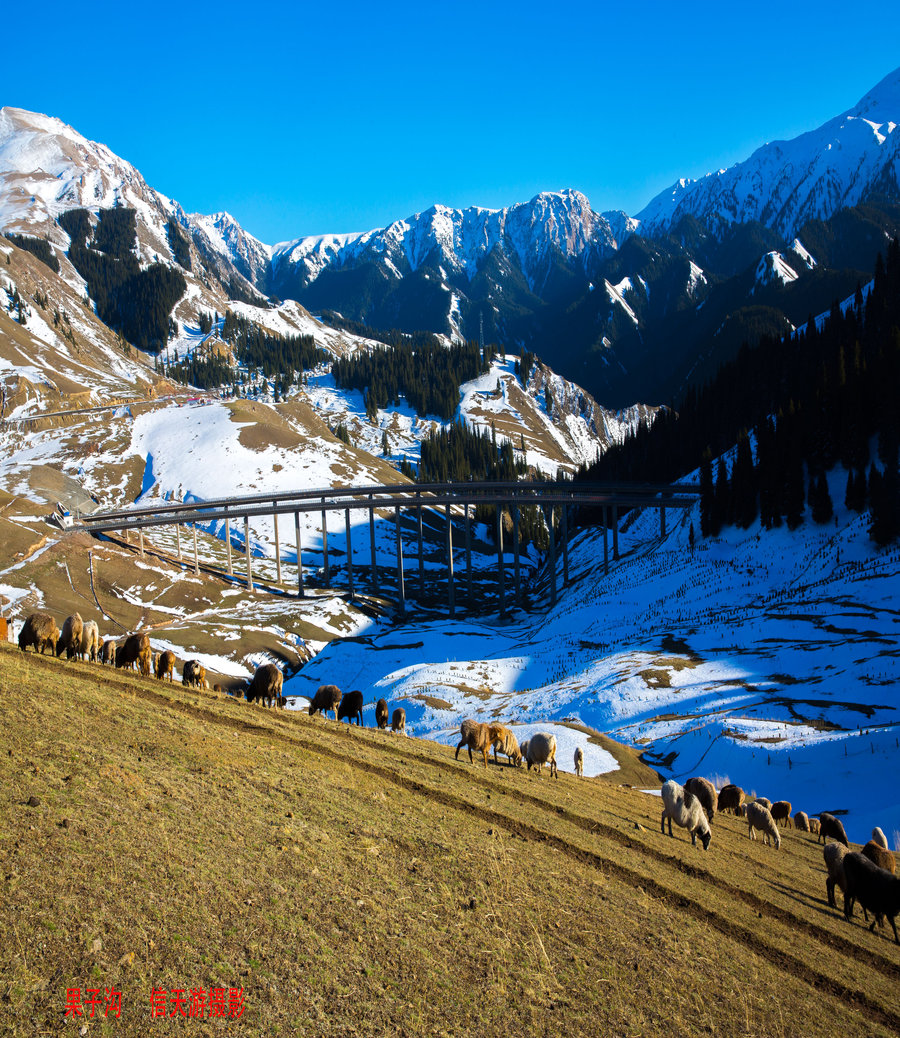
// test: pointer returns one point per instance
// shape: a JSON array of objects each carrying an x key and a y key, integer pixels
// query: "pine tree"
[{"x": 820, "y": 499}]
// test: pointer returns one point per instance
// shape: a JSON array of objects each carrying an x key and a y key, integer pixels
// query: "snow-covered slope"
[
  {"x": 785, "y": 183},
  {"x": 765, "y": 658}
]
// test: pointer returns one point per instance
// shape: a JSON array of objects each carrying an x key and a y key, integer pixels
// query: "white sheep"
[
  {"x": 579, "y": 761},
  {"x": 686, "y": 810},
  {"x": 879, "y": 838},
  {"x": 760, "y": 817},
  {"x": 539, "y": 750}
]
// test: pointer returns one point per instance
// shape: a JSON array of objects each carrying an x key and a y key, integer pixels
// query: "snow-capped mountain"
[
  {"x": 786, "y": 183},
  {"x": 47, "y": 168},
  {"x": 460, "y": 240}
]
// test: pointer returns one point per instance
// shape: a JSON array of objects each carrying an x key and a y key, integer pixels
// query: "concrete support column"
[
  {"x": 196, "y": 558},
  {"x": 374, "y": 576},
  {"x": 401, "y": 587},
  {"x": 228, "y": 544},
  {"x": 247, "y": 552},
  {"x": 552, "y": 556},
  {"x": 500, "y": 574},
  {"x": 565, "y": 543},
  {"x": 277, "y": 548},
  {"x": 349, "y": 551},
  {"x": 517, "y": 570},
  {"x": 450, "y": 587},
  {"x": 299, "y": 557},
  {"x": 177, "y": 539},
  {"x": 325, "y": 565}
]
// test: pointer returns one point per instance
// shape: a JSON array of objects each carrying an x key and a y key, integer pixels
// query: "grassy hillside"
[{"x": 355, "y": 882}]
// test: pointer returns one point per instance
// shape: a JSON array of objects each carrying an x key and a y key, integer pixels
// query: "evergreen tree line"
[
  {"x": 271, "y": 353},
  {"x": 809, "y": 401},
  {"x": 428, "y": 375},
  {"x": 458, "y": 454},
  {"x": 136, "y": 303},
  {"x": 39, "y": 247}
]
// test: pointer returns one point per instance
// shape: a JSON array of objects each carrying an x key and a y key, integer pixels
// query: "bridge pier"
[
  {"x": 141, "y": 540},
  {"x": 516, "y": 571},
  {"x": 468, "y": 557},
  {"x": 605, "y": 540},
  {"x": 500, "y": 573},
  {"x": 228, "y": 545},
  {"x": 615, "y": 512},
  {"x": 662, "y": 520},
  {"x": 564, "y": 520},
  {"x": 299, "y": 556},
  {"x": 349, "y": 552},
  {"x": 196, "y": 559},
  {"x": 421, "y": 552},
  {"x": 450, "y": 588},
  {"x": 325, "y": 565},
  {"x": 401, "y": 587},
  {"x": 177, "y": 539},
  {"x": 374, "y": 580},
  {"x": 552, "y": 556},
  {"x": 247, "y": 552},
  {"x": 277, "y": 546}
]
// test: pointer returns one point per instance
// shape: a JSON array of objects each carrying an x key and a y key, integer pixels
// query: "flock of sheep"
[{"x": 867, "y": 876}]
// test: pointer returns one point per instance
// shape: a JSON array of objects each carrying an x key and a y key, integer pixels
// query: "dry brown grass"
[{"x": 360, "y": 883}]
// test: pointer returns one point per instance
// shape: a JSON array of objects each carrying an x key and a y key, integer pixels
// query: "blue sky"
[{"x": 307, "y": 119}]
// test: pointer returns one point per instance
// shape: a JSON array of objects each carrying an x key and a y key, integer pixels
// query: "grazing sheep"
[
  {"x": 381, "y": 713},
  {"x": 781, "y": 812},
  {"x": 504, "y": 740},
  {"x": 90, "y": 641},
  {"x": 801, "y": 821},
  {"x": 705, "y": 792},
  {"x": 875, "y": 889},
  {"x": 265, "y": 685},
  {"x": 764, "y": 802},
  {"x": 327, "y": 697},
  {"x": 879, "y": 837},
  {"x": 351, "y": 707},
  {"x": 70, "y": 639},
  {"x": 398, "y": 720},
  {"x": 134, "y": 652},
  {"x": 475, "y": 736},
  {"x": 539, "y": 750},
  {"x": 760, "y": 817},
  {"x": 834, "y": 866},
  {"x": 165, "y": 665},
  {"x": 108, "y": 652},
  {"x": 730, "y": 798},
  {"x": 686, "y": 810},
  {"x": 831, "y": 826},
  {"x": 880, "y": 856},
  {"x": 814, "y": 826},
  {"x": 40, "y": 631},
  {"x": 579, "y": 762},
  {"x": 193, "y": 674}
]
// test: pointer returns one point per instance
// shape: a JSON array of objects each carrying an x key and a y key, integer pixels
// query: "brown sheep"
[
  {"x": 108, "y": 652},
  {"x": 134, "y": 652},
  {"x": 327, "y": 697},
  {"x": 381, "y": 714},
  {"x": 705, "y": 792},
  {"x": 193, "y": 674},
  {"x": 351, "y": 707},
  {"x": 781, "y": 812},
  {"x": 70, "y": 639},
  {"x": 876, "y": 889},
  {"x": 266, "y": 685},
  {"x": 881, "y": 857},
  {"x": 475, "y": 735},
  {"x": 504, "y": 740},
  {"x": 831, "y": 826},
  {"x": 39, "y": 631},
  {"x": 398, "y": 720},
  {"x": 760, "y": 817},
  {"x": 801, "y": 821},
  {"x": 730, "y": 798},
  {"x": 814, "y": 826},
  {"x": 165, "y": 665}
]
